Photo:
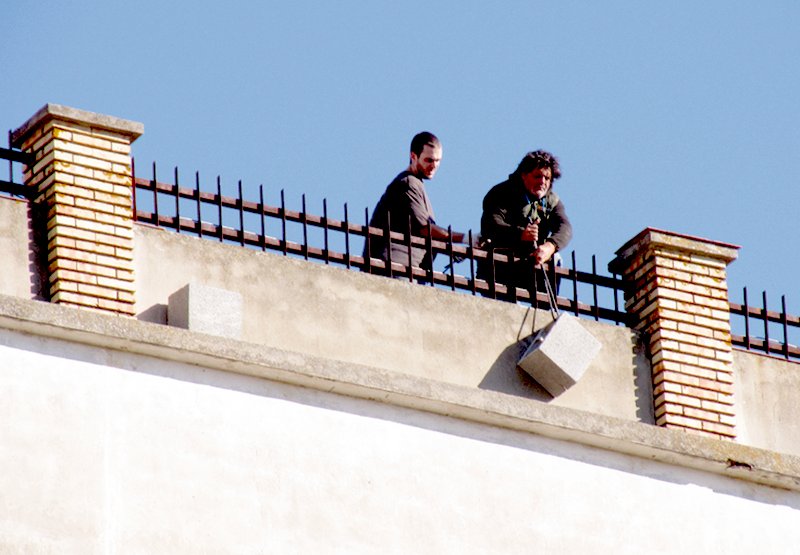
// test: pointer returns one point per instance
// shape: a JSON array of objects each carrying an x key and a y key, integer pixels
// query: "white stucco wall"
[{"x": 105, "y": 451}]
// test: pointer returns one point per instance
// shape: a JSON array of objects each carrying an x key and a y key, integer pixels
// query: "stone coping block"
[
  {"x": 651, "y": 237},
  {"x": 131, "y": 129},
  {"x": 205, "y": 309}
]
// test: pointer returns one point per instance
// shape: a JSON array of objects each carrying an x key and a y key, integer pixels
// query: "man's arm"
[
  {"x": 439, "y": 233},
  {"x": 422, "y": 217},
  {"x": 561, "y": 234},
  {"x": 560, "y": 227}
]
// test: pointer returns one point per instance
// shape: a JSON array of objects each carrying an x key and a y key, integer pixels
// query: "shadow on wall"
[
  {"x": 643, "y": 383},
  {"x": 505, "y": 376},
  {"x": 37, "y": 252},
  {"x": 156, "y": 314}
]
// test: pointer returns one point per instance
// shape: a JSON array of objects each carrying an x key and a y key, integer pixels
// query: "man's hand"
[
  {"x": 544, "y": 253},
  {"x": 531, "y": 233}
]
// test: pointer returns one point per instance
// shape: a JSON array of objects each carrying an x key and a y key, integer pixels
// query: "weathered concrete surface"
[
  {"x": 391, "y": 324},
  {"x": 19, "y": 275},
  {"x": 766, "y": 397},
  {"x": 120, "y": 126}
]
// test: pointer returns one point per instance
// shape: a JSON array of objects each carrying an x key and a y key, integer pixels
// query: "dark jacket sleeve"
[{"x": 559, "y": 227}]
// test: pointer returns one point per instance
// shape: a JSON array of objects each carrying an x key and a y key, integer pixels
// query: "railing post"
[
  {"x": 81, "y": 178},
  {"x": 677, "y": 297}
]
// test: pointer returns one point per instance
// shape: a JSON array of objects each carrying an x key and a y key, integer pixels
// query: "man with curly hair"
[{"x": 524, "y": 219}]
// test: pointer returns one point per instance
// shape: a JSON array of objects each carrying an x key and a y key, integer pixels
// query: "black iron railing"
[
  {"x": 11, "y": 186},
  {"x": 258, "y": 224},
  {"x": 760, "y": 325},
  {"x": 277, "y": 228}
]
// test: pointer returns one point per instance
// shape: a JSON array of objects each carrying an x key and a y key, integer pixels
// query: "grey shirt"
[{"x": 405, "y": 202}]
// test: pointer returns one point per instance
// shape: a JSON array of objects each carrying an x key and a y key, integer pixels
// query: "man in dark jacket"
[{"x": 523, "y": 218}]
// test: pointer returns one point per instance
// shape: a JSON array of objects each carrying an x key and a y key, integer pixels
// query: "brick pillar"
[
  {"x": 677, "y": 298},
  {"x": 81, "y": 182}
]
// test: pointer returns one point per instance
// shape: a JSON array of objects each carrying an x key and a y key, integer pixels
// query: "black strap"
[{"x": 551, "y": 296}]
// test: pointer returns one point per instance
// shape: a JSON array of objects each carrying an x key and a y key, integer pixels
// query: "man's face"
[
  {"x": 427, "y": 162},
  {"x": 538, "y": 181}
]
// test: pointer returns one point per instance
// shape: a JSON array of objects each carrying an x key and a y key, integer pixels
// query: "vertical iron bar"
[
  {"x": 575, "y": 283},
  {"x": 452, "y": 261},
  {"x": 766, "y": 322},
  {"x": 240, "y": 202},
  {"x": 219, "y": 208},
  {"x": 595, "y": 308},
  {"x": 471, "y": 255},
  {"x": 493, "y": 274},
  {"x": 347, "y": 237},
  {"x": 263, "y": 238},
  {"x": 326, "y": 257},
  {"x": 785, "y": 324},
  {"x": 408, "y": 245},
  {"x": 11, "y": 167},
  {"x": 514, "y": 286},
  {"x": 429, "y": 250},
  {"x": 155, "y": 197},
  {"x": 746, "y": 310},
  {"x": 197, "y": 200},
  {"x": 177, "y": 192},
  {"x": 368, "y": 242},
  {"x": 303, "y": 219},
  {"x": 388, "y": 242},
  {"x": 283, "y": 222},
  {"x": 616, "y": 299}
]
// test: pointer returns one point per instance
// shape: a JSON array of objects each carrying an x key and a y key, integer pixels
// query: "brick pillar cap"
[
  {"x": 131, "y": 129},
  {"x": 649, "y": 237}
]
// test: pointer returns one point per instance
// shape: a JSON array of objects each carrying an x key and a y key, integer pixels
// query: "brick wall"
[
  {"x": 84, "y": 191},
  {"x": 678, "y": 299}
]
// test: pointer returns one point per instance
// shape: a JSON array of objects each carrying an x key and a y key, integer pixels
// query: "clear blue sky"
[{"x": 677, "y": 115}]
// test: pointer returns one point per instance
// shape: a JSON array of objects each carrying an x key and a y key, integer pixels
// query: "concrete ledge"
[
  {"x": 649, "y": 236},
  {"x": 487, "y": 407},
  {"x": 132, "y": 129}
]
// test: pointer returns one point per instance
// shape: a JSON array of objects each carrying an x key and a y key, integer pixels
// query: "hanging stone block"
[{"x": 560, "y": 354}]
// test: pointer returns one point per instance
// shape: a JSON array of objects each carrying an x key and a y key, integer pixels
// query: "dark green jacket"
[{"x": 506, "y": 213}]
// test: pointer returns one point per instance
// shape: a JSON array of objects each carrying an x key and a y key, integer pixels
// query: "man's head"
[
  {"x": 538, "y": 170},
  {"x": 426, "y": 155}
]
